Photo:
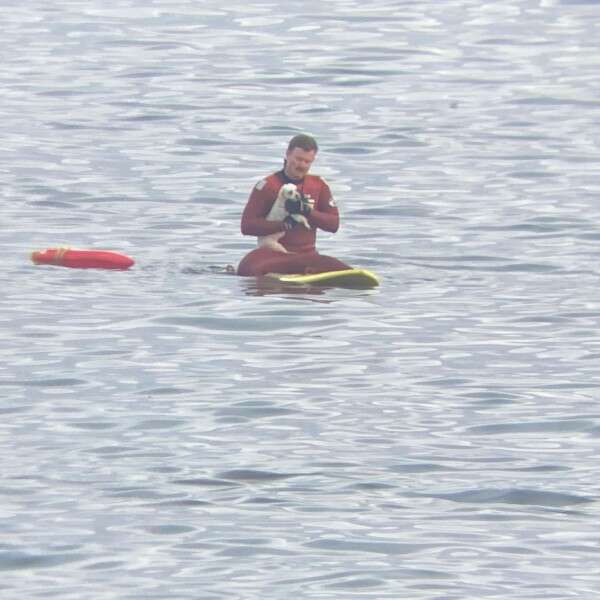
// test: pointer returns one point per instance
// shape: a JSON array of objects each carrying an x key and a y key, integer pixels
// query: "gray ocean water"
[{"x": 176, "y": 432}]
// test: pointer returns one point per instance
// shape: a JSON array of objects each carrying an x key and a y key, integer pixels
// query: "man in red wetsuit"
[{"x": 316, "y": 204}]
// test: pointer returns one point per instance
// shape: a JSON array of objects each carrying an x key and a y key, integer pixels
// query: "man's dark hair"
[{"x": 306, "y": 142}]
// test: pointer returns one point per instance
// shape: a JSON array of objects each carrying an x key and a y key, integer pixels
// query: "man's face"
[{"x": 299, "y": 162}]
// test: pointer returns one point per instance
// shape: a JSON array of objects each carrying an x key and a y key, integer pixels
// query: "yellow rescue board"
[{"x": 350, "y": 278}]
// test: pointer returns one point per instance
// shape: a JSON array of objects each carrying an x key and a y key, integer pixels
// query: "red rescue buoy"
[{"x": 82, "y": 259}]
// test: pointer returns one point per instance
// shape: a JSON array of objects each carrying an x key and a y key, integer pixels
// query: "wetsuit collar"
[{"x": 287, "y": 179}]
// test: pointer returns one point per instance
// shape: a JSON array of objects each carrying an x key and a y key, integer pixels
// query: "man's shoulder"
[
  {"x": 317, "y": 178},
  {"x": 317, "y": 182},
  {"x": 270, "y": 182}
]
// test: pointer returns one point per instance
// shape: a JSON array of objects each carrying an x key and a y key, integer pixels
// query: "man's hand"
[{"x": 300, "y": 206}]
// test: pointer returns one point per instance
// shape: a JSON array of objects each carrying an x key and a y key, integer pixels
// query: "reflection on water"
[
  {"x": 175, "y": 431},
  {"x": 263, "y": 286}
]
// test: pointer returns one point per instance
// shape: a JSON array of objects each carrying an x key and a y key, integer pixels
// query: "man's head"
[
  {"x": 301, "y": 153},
  {"x": 303, "y": 141}
]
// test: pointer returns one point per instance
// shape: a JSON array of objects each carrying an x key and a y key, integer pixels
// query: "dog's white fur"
[{"x": 278, "y": 213}]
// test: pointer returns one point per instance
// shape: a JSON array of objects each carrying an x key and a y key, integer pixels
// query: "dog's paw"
[{"x": 301, "y": 220}]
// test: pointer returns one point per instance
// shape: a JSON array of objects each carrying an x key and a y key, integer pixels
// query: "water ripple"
[{"x": 174, "y": 428}]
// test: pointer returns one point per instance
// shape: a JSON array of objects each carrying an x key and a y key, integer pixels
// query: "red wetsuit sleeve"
[
  {"x": 325, "y": 214},
  {"x": 259, "y": 204}
]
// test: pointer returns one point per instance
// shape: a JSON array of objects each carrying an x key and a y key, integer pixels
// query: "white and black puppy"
[{"x": 278, "y": 213}]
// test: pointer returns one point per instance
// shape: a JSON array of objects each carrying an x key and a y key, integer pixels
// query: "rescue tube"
[
  {"x": 263, "y": 260},
  {"x": 82, "y": 259}
]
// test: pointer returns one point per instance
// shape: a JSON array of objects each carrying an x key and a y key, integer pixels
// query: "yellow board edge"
[{"x": 352, "y": 278}]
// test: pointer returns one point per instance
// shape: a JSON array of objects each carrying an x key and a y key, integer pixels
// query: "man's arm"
[
  {"x": 325, "y": 214},
  {"x": 254, "y": 220},
  {"x": 328, "y": 221}
]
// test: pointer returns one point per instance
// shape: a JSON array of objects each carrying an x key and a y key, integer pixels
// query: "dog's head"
[{"x": 289, "y": 192}]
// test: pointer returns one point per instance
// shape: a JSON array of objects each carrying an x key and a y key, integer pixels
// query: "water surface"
[{"x": 178, "y": 432}]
